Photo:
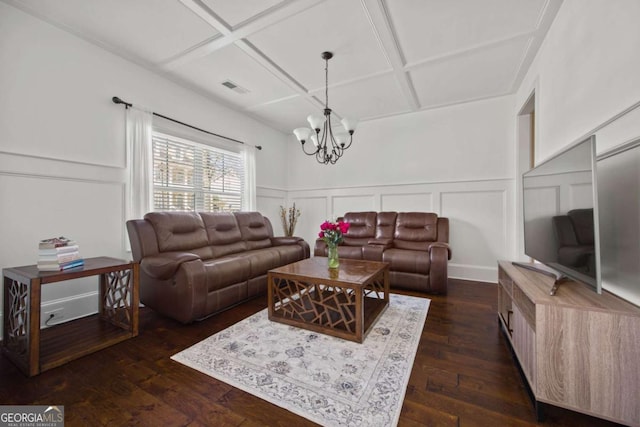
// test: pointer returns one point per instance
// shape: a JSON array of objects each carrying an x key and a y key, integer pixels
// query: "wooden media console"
[{"x": 577, "y": 349}]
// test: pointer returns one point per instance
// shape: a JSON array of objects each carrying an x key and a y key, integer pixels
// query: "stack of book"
[{"x": 58, "y": 253}]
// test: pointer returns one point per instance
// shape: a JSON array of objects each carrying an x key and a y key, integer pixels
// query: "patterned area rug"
[{"x": 327, "y": 380}]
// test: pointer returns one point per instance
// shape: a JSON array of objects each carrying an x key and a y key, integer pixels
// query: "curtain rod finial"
[{"x": 117, "y": 100}]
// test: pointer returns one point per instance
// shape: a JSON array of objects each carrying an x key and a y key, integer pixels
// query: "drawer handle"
[{"x": 509, "y": 313}]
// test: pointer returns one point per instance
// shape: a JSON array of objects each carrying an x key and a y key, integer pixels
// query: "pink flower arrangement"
[{"x": 332, "y": 232}]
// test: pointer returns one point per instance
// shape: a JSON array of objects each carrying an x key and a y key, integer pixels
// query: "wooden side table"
[{"x": 34, "y": 350}]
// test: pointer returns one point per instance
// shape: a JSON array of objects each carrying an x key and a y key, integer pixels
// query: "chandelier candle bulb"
[
  {"x": 349, "y": 125},
  {"x": 302, "y": 134},
  {"x": 316, "y": 121}
]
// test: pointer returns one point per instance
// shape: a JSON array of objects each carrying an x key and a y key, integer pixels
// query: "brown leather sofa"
[
  {"x": 416, "y": 244},
  {"x": 193, "y": 265}
]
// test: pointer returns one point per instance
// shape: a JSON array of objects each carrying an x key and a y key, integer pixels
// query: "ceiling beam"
[
  {"x": 229, "y": 35},
  {"x": 381, "y": 23},
  {"x": 238, "y": 36}
]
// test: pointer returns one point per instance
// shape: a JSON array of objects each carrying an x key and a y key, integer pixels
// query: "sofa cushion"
[
  {"x": 362, "y": 228},
  {"x": 289, "y": 253},
  {"x": 261, "y": 260},
  {"x": 178, "y": 231},
  {"x": 385, "y": 225},
  {"x": 415, "y": 230},
  {"x": 222, "y": 272},
  {"x": 223, "y": 232},
  {"x": 351, "y": 252},
  {"x": 253, "y": 229}
]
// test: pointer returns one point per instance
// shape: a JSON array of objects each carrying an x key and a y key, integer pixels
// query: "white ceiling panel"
[
  {"x": 235, "y": 12},
  {"x": 286, "y": 115},
  {"x": 373, "y": 97},
  {"x": 231, "y": 63},
  {"x": 338, "y": 26},
  {"x": 152, "y": 30},
  {"x": 477, "y": 75},
  {"x": 390, "y": 56},
  {"x": 431, "y": 28}
]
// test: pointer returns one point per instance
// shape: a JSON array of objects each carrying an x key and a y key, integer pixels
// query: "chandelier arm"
[
  {"x": 350, "y": 141},
  {"x": 308, "y": 154},
  {"x": 334, "y": 159}
]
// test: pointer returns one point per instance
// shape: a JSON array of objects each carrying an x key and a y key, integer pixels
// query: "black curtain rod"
[{"x": 117, "y": 100}]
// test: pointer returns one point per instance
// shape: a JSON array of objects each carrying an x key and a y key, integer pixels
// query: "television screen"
[
  {"x": 560, "y": 213},
  {"x": 619, "y": 213}
]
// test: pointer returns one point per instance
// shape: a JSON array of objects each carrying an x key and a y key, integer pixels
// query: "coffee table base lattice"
[{"x": 341, "y": 302}]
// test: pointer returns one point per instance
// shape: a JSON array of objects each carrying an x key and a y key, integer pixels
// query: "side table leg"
[
  {"x": 34, "y": 327},
  {"x": 118, "y": 295},
  {"x": 135, "y": 300},
  {"x": 21, "y": 341},
  {"x": 15, "y": 343}
]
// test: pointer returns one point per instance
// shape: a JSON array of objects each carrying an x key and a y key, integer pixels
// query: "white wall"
[
  {"x": 586, "y": 72},
  {"x": 62, "y": 151},
  {"x": 454, "y": 161},
  {"x": 587, "y": 80}
]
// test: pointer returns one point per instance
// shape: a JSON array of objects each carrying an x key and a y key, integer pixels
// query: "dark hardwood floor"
[{"x": 463, "y": 376}]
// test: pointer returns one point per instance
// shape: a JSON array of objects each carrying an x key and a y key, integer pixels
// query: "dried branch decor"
[{"x": 289, "y": 219}]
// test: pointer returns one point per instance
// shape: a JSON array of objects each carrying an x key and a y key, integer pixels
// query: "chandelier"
[{"x": 328, "y": 147}]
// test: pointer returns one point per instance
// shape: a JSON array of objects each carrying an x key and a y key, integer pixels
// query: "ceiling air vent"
[{"x": 234, "y": 87}]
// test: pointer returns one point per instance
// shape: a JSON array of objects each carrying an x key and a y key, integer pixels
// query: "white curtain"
[
  {"x": 249, "y": 194},
  {"x": 139, "y": 163}
]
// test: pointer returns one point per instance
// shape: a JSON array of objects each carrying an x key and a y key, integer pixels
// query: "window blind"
[{"x": 188, "y": 176}]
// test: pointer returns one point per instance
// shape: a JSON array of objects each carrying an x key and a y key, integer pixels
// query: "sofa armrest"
[
  {"x": 321, "y": 248},
  {"x": 386, "y": 243},
  {"x": 440, "y": 245},
  {"x": 164, "y": 265},
  {"x": 282, "y": 240},
  {"x": 439, "y": 254},
  {"x": 290, "y": 241}
]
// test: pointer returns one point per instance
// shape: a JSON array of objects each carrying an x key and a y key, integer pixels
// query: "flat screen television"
[{"x": 561, "y": 215}]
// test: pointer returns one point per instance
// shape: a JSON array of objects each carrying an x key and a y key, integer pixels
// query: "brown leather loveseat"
[
  {"x": 193, "y": 265},
  {"x": 416, "y": 244}
]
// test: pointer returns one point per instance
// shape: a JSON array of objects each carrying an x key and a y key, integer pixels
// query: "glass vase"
[{"x": 332, "y": 256}]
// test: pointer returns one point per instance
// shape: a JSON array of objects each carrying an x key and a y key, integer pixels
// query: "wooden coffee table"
[{"x": 342, "y": 302}]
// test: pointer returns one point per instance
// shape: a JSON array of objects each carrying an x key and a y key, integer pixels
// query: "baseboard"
[
  {"x": 67, "y": 309},
  {"x": 473, "y": 272}
]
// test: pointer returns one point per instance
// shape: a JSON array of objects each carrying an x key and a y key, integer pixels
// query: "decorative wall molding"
[
  {"x": 400, "y": 185},
  {"x": 59, "y": 159},
  {"x": 481, "y": 215},
  {"x": 48, "y": 168}
]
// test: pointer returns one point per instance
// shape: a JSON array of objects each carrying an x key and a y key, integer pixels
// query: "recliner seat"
[
  {"x": 415, "y": 244},
  {"x": 193, "y": 265}
]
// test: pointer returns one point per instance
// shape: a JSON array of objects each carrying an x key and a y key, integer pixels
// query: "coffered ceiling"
[{"x": 390, "y": 56}]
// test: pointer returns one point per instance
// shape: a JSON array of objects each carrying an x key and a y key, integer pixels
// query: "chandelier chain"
[{"x": 326, "y": 83}]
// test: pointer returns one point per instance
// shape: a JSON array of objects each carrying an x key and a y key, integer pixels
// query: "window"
[{"x": 188, "y": 176}]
